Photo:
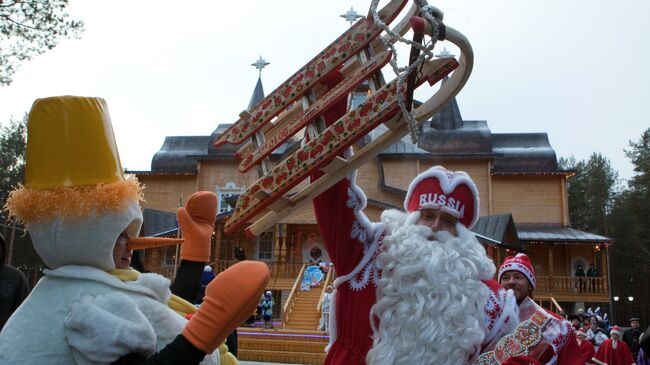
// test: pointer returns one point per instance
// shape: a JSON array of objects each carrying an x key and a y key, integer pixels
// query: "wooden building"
[{"x": 523, "y": 204}]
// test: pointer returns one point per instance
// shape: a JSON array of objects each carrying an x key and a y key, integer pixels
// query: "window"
[
  {"x": 265, "y": 244},
  {"x": 169, "y": 255},
  {"x": 226, "y": 192}
]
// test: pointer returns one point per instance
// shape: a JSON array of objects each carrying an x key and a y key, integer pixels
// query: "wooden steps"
[
  {"x": 277, "y": 283},
  {"x": 304, "y": 314},
  {"x": 283, "y": 346}
]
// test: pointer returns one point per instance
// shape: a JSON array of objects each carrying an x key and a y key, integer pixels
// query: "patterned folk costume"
[{"x": 541, "y": 334}]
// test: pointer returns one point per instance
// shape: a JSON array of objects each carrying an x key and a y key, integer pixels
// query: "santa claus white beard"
[{"x": 430, "y": 299}]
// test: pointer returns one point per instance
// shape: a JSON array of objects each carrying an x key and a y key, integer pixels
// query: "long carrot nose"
[{"x": 140, "y": 243}]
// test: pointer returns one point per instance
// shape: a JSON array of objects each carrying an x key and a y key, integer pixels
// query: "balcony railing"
[
  {"x": 277, "y": 270},
  {"x": 572, "y": 285}
]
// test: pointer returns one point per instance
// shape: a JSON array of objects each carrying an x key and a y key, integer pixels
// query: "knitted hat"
[
  {"x": 453, "y": 192},
  {"x": 520, "y": 263},
  {"x": 615, "y": 330}
]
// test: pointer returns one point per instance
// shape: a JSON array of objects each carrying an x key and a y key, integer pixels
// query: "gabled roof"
[
  {"x": 558, "y": 234},
  {"x": 498, "y": 230}
]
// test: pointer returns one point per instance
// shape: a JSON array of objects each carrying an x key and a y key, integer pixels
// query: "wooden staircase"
[
  {"x": 304, "y": 314},
  {"x": 282, "y": 346}
]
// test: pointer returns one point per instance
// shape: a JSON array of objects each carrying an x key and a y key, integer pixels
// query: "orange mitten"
[
  {"x": 197, "y": 224},
  {"x": 229, "y": 299}
]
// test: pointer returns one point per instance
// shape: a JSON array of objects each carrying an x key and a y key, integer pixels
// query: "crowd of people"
[{"x": 601, "y": 343}]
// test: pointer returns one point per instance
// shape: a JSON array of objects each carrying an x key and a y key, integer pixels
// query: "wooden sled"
[
  {"x": 343, "y": 48},
  {"x": 264, "y": 203}
]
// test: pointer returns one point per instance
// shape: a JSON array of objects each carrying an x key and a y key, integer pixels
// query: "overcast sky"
[{"x": 577, "y": 70}]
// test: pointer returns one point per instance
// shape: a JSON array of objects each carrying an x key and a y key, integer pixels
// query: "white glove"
[{"x": 104, "y": 328}]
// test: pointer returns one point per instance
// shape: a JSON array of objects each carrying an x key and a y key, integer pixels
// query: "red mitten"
[
  {"x": 229, "y": 299},
  {"x": 197, "y": 224}
]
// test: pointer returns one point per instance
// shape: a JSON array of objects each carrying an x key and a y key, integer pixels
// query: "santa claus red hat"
[
  {"x": 615, "y": 330},
  {"x": 453, "y": 192},
  {"x": 520, "y": 263}
]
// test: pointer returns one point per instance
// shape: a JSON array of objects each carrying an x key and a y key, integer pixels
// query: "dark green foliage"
[
  {"x": 591, "y": 192},
  {"x": 13, "y": 139},
  {"x": 29, "y": 28},
  {"x": 630, "y": 227},
  {"x": 12, "y": 167}
]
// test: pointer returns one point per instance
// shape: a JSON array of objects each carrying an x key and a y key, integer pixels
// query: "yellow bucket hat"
[{"x": 72, "y": 163}]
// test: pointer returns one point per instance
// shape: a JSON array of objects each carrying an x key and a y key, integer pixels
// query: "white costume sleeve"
[{"x": 104, "y": 328}]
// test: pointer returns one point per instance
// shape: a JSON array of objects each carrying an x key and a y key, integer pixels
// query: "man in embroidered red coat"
[
  {"x": 422, "y": 275},
  {"x": 614, "y": 351},
  {"x": 517, "y": 273}
]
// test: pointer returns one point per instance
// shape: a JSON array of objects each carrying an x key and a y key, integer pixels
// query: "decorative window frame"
[
  {"x": 230, "y": 189},
  {"x": 270, "y": 236}
]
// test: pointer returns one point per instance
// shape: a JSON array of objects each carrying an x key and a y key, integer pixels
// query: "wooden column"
[
  {"x": 283, "y": 248},
  {"x": 550, "y": 269},
  {"x": 217, "y": 242},
  {"x": 604, "y": 265},
  {"x": 489, "y": 187},
  {"x": 276, "y": 242},
  {"x": 565, "y": 203}
]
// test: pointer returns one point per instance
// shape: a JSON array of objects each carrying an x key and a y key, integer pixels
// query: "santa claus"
[
  {"x": 415, "y": 288},
  {"x": 614, "y": 351}
]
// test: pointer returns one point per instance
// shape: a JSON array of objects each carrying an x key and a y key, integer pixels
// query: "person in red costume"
[
  {"x": 421, "y": 274},
  {"x": 614, "y": 351},
  {"x": 557, "y": 344},
  {"x": 586, "y": 347}
]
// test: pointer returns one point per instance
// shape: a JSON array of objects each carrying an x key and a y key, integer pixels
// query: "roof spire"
[
  {"x": 258, "y": 92},
  {"x": 260, "y": 64},
  {"x": 445, "y": 54},
  {"x": 351, "y": 15}
]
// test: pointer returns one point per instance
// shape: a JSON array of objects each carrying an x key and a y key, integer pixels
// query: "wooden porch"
[
  {"x": 572, "y": 289},
  {"x": 283, "y": 275}
]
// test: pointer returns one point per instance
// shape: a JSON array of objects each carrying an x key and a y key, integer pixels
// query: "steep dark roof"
[
  {"x": 258, "y": 94},
  {"x": 449, "y": 117},
  {"x": 472, "y": 137},
  {"x": 227, "y": 150},
  {"x": 173, "y": 155},
  {"x": 523, "y": 152}
]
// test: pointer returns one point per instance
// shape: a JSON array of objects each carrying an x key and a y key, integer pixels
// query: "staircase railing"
[
  {"x": 326, "y": 283},
  {"x": 291, "y": 300},
  {"x": 557, "y": 306}
]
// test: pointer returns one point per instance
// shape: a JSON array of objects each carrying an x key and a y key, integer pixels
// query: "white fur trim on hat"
[
  {"x": 514, "y": 264},
  {"x": 449, "y": 181}
]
